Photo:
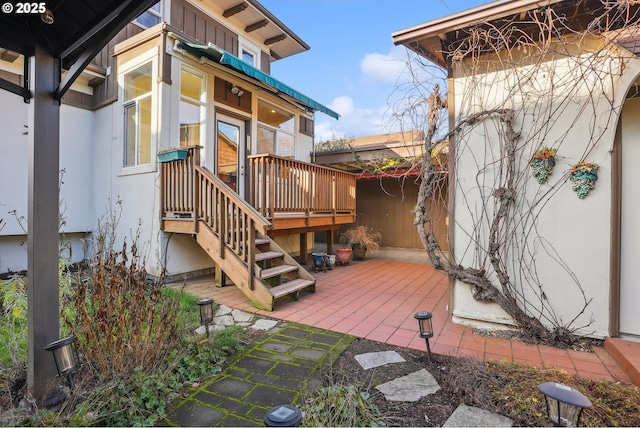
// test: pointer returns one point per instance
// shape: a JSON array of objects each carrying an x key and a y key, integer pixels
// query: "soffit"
[
  {"x": 432, "y": 38},
  {"x": 77, "y": 26},
  {"x": 259, "y": 23},
  {"x": 79, "y": 30}
]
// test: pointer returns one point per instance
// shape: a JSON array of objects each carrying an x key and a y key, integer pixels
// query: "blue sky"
[{"x": 352, "y": 66}]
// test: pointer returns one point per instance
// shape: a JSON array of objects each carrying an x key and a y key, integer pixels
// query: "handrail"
[
  {"x": 187, "y": 188},
  {"x": 282, "y": 185}
]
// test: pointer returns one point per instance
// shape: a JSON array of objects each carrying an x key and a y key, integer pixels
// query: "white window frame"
[
  {"x": 201, "y": 103},
  {"x": 152, "y": 57},
  {"x": 251, "y": 48},
  {"x": 277, "y": 133}
]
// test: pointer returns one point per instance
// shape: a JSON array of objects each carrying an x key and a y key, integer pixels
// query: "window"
[
  {"x": 193, "y": 107},
  {"x": 276, "y": 130},
  {"x": 137, "y": 115},
  {"x": 249, "y": 52},
  {"x": 151, "y": 17},
  {"x": 248, "y": 57}
]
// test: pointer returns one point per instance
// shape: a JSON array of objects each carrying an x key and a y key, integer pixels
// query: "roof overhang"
[
  {"x": 222, "y": 57},
  {"x": 261, "y": 24},
  {"x": 431, "y": 39},
  {"x": 74, "y": 34}
]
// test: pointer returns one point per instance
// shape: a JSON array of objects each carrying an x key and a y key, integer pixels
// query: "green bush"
[{"x": 141, "y": 398}]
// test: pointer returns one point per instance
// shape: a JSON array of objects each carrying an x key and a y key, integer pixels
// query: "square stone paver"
[
  {"x": 192, "y": 414},
  {"x": 291, "y": 371},
  {"x": 312, "y": 354},
  {"x": 270, "y": 397},
  {"x": 233, "y": 421},
  {"x": 233, "y": 388},
  {"x": 255, "y": 365},
  {"x": 274, "y": 346},
  {"x": 294, "y": 332},
  {"x": 292, "y": 384},
  {"x": 327, "y": 339}
]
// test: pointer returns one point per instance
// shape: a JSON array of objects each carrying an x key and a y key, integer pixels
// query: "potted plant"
[
  {"x": 175, "y": 153},
  {"x": 360, "y": 239}
]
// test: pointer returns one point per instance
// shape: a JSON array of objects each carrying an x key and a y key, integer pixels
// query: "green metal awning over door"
[{"x": 223, "y": 57}]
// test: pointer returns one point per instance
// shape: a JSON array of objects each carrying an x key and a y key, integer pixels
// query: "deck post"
[
  {"x": 303, "y": 248},
  {"x": 219, "y": 276},
  {"x": 43, "y": 218}
]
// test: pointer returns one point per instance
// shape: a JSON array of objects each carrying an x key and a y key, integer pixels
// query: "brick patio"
[{"x": 376, "y": 299}]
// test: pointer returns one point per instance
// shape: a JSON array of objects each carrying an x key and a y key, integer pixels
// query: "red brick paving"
[{"x": 377, "y": 298}]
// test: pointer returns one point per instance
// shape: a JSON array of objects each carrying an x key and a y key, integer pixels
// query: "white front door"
[
  {"x": 231, "y": 152},
  {"x": 630, "y": 223}
]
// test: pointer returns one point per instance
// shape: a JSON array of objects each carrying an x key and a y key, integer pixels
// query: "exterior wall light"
[
  {"x": 426, "y": 328},
  {"x": 66, "y": 358},
  {"x": 564, "y": 404},
  {"x": 206, "y": 312},
  {"x": 236, "y": 90}
]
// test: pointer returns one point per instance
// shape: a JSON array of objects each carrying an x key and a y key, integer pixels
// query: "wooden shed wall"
[{"x": 381, "y": 205}]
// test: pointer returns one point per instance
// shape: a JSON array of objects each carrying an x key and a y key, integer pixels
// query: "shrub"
[{"x": 340, "y": 405}]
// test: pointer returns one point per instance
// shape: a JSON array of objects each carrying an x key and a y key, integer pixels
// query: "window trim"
[
  {"x": 201, "y": 103},
  {"x": 253, "y": 49},
  {"x": 151, "y": 12},
  {"x": 150, "y": 56}
]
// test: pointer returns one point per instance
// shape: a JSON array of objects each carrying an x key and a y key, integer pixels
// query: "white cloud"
[
  {"x": 384, "y": 68},
  {"x": 353, "y": 122}
]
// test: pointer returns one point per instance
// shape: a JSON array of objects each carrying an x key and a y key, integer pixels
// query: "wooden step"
[
  {"x": 262, "y": 241},
  {"x": 268, "y": 255},
  {"x": 275, "y": 271},
  {"x": 290, "y": 287}
]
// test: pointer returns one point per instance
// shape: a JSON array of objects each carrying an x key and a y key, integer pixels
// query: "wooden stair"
[
  {"x": 275, "y": 273},
  {"x": 231, "y": 231}
]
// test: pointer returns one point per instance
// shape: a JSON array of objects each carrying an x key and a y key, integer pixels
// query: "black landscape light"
[
  {"x": 206, "y": 312},
  {"x": 426, "y": 328},
  {"x": 564, "y": 404},
  {"x": 66, "y": 358},
  {"x": 283, "y": 416}
]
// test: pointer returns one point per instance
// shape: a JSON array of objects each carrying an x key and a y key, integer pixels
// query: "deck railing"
[
  {"x": 276, "y": 186},
  {"x": 281, "y": 185}
]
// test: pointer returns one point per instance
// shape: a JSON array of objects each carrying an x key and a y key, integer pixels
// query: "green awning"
[{"x": 223, "y": 57}]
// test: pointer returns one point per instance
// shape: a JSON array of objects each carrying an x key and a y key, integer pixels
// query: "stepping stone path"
[
  {"x": 467, "y": 416},
  {"x": 416, "y": 385},
  {"x": 377, "y": 359},
  {"x": 411, "y": 387}
]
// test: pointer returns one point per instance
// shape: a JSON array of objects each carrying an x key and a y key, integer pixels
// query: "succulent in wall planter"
[
  {"x": 361, "y": 239},
  {"x": 583, "y": 178},
  {"x": 542, "y": 164}
]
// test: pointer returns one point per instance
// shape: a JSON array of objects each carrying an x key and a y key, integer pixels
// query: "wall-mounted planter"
[
  {"x": 172, "y": 155},
  {"x": 583, "y": 178},
  {"x": 542, "y": 164}
]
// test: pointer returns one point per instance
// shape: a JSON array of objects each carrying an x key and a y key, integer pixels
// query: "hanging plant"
[
  {"x": 583, "y": 178},
  {"x": 542, "y": 164}
]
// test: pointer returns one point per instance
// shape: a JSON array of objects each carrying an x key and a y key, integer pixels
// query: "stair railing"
[{"x": 188, "y": 188}]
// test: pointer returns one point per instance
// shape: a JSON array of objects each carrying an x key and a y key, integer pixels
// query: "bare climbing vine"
[{"x": 522, "y": 83}]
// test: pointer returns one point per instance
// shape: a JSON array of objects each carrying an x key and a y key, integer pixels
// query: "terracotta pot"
[{"x": 344, "y": 254}]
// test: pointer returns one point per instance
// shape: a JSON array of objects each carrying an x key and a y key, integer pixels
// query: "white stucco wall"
[
  {"x": 556, "y": 245},
  {"x": 76, "y": 135}
]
